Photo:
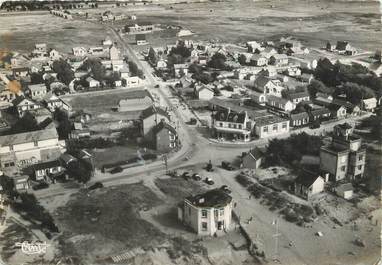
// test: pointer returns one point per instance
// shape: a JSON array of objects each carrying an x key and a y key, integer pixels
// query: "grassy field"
[
  {"x": 21, "y": 32},
  {"x": 314, "y": 22}
]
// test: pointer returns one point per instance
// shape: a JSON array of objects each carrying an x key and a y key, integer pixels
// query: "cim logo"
[{"x": 32, "y": 248}]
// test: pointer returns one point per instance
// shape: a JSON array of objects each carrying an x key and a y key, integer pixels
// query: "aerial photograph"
[{"x": 190, "y": 132}]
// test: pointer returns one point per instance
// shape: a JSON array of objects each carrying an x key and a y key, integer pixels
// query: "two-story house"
[
  {"x": 37, "y": 91},
  {"x": 165, "y": 137},
  {"x": 150, "y": 118},
  {"x": 268, "y": 85},
  {"x": 232, "y": 125},
  {"x": 207, "y": 213},
  {"x": 23, "y": 105}
]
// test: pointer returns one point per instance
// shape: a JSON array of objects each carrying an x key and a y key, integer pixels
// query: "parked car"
[
  {"x": 225, "y": 189},
  {"x": 40, "y": 186},
  {"x": 196, "y": 177},
  {"x": 116, "y": 170},
  {"x": 173, "y": 174},
  {"x": 95, "y": 186},
  {"x": 227, "y": 165},
  {"x": 209, "y": 181},
  {"x": 186, "y": 175},
  {"x": 192, "y": 121},
  {"x": 314, "y": 125}
]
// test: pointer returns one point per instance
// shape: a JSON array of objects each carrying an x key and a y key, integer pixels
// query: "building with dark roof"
[
  {"x": 308, "y": 184},
  {"x": 253, "y": 158},
  {"x": 150, "y": 118},
  {"x": 232, "y": 125},
  {"x": 136, "y": 100},
  {"x": 165, "y": 137},
  {"x": 207, "y": 213}
]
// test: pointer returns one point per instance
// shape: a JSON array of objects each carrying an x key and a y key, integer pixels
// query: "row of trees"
[
  {"x": 290, "y": 151},
  {"x": 353, "y": 78}
]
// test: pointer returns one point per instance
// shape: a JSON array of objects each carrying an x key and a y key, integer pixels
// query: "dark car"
[
  {"x": 95, "y": 186},
  {"x": 196, "y": 177},
  {"x": 156, "y": 86},
  {"x": 173, "y": 174},
  {"x": 186, "y": 175},
  {"x": 116, "y": 170},
  {"x": 225, "y": 189},
  {"x": 40, "y": 186},
  {"x": 209, "y": 181},
  {"x": 193, "y": 121},
  {"x": 227, "y": 165},
  {"x": 315, "y": 125}
]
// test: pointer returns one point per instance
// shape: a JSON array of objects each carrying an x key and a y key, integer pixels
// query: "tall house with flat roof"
[
  {"x": 207, "y": 213},
  {"x": 345, "y": 156}
]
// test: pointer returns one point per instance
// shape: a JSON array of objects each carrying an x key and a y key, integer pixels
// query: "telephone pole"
[{"x": 276, "y": 237}]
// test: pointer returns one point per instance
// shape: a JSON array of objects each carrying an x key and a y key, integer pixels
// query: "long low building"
[
  {"x": 271, "y": 125},
  {"x": 23, "y": 149}
]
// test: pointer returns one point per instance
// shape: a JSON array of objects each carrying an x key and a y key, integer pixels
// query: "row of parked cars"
[{"x": 187, "y": 176}]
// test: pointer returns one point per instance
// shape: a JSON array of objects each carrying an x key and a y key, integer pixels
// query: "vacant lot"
[
  {"x": 314, "y": 22},
  {"x": 21, "y": 32},
  {"x": 108, "y": 221}
]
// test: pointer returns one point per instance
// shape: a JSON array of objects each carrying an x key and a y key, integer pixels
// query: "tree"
[
  {"x": 181, "y": 50},
  {"x": 152, "y": 56},
  {"x": 242, "y": 59},
  {"x": 64, "y": 124},
  {"x": 97, "y": 69},
  {"x": 26, "y": 123},
  {"x": 218, "y": 61},
  {"x": 36, "y": 78},
  {"x": 174, "y": 59},
  {"x": 195, "y": 68},
  {"x": 317, "y": 86},
  {"x": 64, "y": 71},
  {"x": 354, "y": 92},
  {"x": 80, "y": 171}
]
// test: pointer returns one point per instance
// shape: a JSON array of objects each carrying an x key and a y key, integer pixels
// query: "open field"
[
  {"x": 21, "y": 32},
  {"x": 314, "y": 22}
]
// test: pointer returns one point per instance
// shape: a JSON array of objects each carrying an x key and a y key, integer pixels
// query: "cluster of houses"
[
  {"x": 273, "y": 97},
  {"x": 340, "y": 163},
  {"x": 341, "y": 47}
]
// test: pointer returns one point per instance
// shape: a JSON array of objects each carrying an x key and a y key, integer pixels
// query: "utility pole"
[
  {"x": 276, "y": 237},
  {"x": 165, "y": 162}
]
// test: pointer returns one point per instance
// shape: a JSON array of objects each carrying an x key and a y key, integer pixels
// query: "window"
[
  {"x": 11, "y": 148},
  {"x": 204, "y": 226},
  {"x": 189, "y": 211},
  {"x": 360, "y": 157},
  {"x": 229, "y": 125},
  {"x": 360, "y": 167},
  {"x": 343, "y": 159},
  {"x": 35, "y": 143},
  {"x": 234, "y": 126},
  {"x": 343, "y": 168},
  {"x": 284, "y": 125},
  {"x": 275, "y": 127},
  {"x": 221, "y": 211},
  {"x": 240, "y": 126},
  {"x": 204, "y": 213},
  {"x": 220, "y": 124},
  {"x": 265, "y": 129}
]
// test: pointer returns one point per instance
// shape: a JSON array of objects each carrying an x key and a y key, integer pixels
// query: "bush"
[{"x": 243, "y": 180}]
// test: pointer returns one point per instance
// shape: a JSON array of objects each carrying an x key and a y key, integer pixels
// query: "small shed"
[{"x": 345, "y": 191}]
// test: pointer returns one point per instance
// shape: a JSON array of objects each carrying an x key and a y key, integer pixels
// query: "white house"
[
  {"x": 37, "y": 91},
  {"x": 203, "y": 92},
  {"x": 280, "y": 103},
  {"x": 269, "y": 86},
  {"x": 308, "y": 184},
  {"x": 92, "y": 82},
  {"x": 79, "y": 51},
  {"x": 369, "y": 104},
  {"x": 208, "y": 213},
  {"x": 180, "y": 70}
]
